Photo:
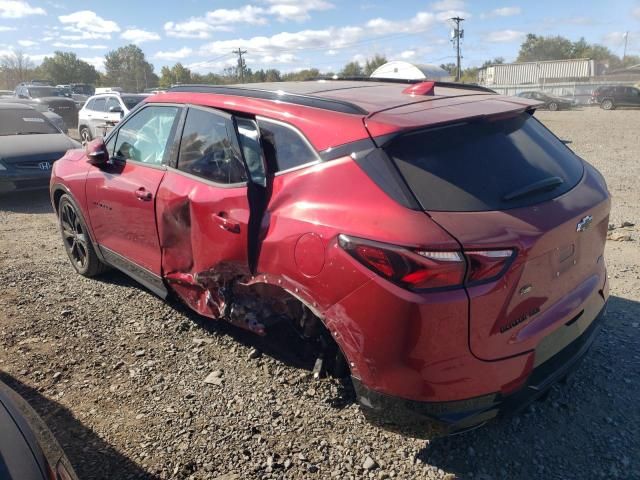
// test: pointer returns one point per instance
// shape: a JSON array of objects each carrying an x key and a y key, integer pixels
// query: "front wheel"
[
  {"x": 76, "y": 239},
  {"x": 607, "y": 105},
  {"x": 85, "y": 134},
  {"x": 553, "y": 106}
]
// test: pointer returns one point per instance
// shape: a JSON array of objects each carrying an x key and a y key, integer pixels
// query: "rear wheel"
[
  {"x": 85, "y": 134},
  {"x": 607, "y": 104},
  {"x": 553, "y": 106},
  {"x": 76, "y": 239}
]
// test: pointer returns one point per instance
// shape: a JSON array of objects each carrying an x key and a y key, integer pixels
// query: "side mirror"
[
  {"x": 96, "y": 152},
  {"x": 116, "y": 109}
]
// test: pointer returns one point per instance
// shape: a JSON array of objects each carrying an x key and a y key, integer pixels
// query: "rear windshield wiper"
[{"x": 546, "y": 184}]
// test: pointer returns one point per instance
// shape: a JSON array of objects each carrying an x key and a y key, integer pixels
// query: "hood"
[
  {"x": 58, "y": 100},
  {"x": 17, "y": 146}
]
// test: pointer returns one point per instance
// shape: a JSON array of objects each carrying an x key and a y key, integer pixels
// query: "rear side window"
[
  {"x": 207, "y": 148},
  {"x": 287, "y": 147},
  {"x": 99, "y": 105},
  {"x": 485, "y": 165}
]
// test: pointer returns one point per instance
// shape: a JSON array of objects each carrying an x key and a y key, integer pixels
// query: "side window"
[
  {"x": 98, "y": 105},
  {"x": 90, "y": 104},
  {"x": 633, "y": 92},
  {"x": 111, "y": 102},
  {"x": 144, "y": 137},
  {"x": 286, "y": 145},
  {"x": 249, "y": 138},
  {"x": 207, "y": 148}
]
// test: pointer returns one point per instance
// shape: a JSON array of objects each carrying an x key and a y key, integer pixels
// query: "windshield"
[
  {"x": 83, "y": 89},
  {"x": 132, "y": 100},
  {"x": 39, "y": 92},
  {"x": 24, "y": 122}
]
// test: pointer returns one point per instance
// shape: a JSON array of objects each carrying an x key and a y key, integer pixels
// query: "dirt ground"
[{"x": 118, "y": 374}]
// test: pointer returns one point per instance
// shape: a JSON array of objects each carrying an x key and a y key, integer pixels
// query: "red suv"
[{"x": 438, "y": 235}]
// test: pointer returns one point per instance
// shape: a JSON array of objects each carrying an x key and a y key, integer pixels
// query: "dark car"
[
  {"x": 29, "y": 145},
  {"x": 54, "y": 98},
  {"x": 610, "y": 97},
  {"x": 549, "y": 102},
  {"x": 436, "y": 235},
  {"x": 28, "y": 449}
]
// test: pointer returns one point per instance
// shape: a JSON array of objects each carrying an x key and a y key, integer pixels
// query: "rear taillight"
[{"x": 423, "y": 269}]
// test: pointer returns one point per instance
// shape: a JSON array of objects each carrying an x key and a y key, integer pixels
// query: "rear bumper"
[{"x": 429, "y": 418}]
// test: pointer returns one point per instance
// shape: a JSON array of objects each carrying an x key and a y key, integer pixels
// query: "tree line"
[{"x": 128, "y": 68}]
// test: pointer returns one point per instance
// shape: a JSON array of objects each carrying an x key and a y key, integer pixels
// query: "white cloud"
[
  {"x": 636, "y": 13},
  {"x": 87, "y": 25},
  {"x": 37, "y": 59},
  {"x": 18, "y": 9},
  {"x": 137, "y": 36},
  {"x": 329, "y": 40},
  {"x": 448, "y": 5},
  {"x": 504, "y": 36},
  {"x": 180, "y": 54},
  {"x": 285, "y": 10},
  {"x": 97, "y": 62},
  {"x": 27, "y": 43},
  {"x": 502, "y": 12},
  {"x": 215, "y": 20},
  {"x": 79, "y": 46},
  {"x": 407, "y": 54},
  {"x": 616, "y": 39},
  {"x": 7, "y": 29},
  {"x": 208, "y": 66}
]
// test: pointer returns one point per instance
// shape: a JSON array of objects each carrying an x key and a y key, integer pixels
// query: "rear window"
[
  {"x": 485, "y": 165},
  {"x": 24, "y": 122},
  {"x": 132, "y": 100}
]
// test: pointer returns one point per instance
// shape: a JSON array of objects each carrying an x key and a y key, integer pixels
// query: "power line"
[
  {"x": 456, "y": 35},
  {"x": 241, "y": 64}
]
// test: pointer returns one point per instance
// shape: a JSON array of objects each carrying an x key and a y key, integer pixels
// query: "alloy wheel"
[{"x": 74, "y": 236}]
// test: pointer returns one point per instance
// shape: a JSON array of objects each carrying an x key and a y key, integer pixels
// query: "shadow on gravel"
[
  {"x": 36, "y": 201},
  {"x": 87, "y": 452},
  {"x": 590, "y": 417}
]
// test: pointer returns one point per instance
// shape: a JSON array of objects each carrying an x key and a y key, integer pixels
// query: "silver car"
[{"x": 101, "y": 112}]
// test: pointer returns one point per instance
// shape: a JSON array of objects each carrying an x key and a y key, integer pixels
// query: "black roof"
[{"x": 352, "y": 95}]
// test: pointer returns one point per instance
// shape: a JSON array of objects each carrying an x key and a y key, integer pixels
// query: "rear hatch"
[{"x": 504, "y": 182}]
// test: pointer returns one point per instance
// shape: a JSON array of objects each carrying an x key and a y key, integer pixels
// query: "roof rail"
[
  {"x": 462, "y": 86},
  {"x": 295, "y": 98}
]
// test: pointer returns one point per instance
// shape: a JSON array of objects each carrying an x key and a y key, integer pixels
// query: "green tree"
[
  {"x": 351, "y": 69},
  {"x": 374, "y": 62},
  {"x": 66, "y": 67},
  {"x": 537, "y": 48},
  {"x": 302, "y": 75},
  {"x": 174, "y": 75},
  {"x": 126, "y": 67}
]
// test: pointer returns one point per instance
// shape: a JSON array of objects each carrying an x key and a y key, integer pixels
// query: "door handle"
[
  {"x": 225, "y": 223},
  {"x": 143, "y": 194}
]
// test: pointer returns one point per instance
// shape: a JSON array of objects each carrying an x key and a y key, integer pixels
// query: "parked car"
[
  {"x": 28, "y": 449},
  {"x": 549, "y": 102},
  {"x": 29, "y": 146},
  {"x": 53, "y": 98},
  {"x": 104, "y": 109},
  {"x": 610, "y": 97},
  {"x": 54, "y": 118},
  {"x": 452, "y": 252},
  {"x": 80, "y": 92}
]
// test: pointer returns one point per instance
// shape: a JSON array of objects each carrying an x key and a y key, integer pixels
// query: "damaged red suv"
[{"x": 445, "y": 242}]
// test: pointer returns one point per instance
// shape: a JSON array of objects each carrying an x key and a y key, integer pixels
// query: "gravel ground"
[{"x": 119, "y": 375}]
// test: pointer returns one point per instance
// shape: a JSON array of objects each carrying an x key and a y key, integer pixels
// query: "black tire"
[
  {"x": 553, "y": 106},
  {"x": 607, "y": 104},
  {"x": 75, "y": 237},
  {"x": 85, "y": 134}
]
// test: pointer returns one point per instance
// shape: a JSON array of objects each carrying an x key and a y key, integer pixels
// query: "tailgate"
[{"x": 555, "y": 277}]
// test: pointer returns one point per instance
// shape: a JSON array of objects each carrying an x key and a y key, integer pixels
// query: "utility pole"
[
  {"x": 624, "y": 55},
  {"x": 456, "y": 35},
  {"x": 240, "y": 52}
]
